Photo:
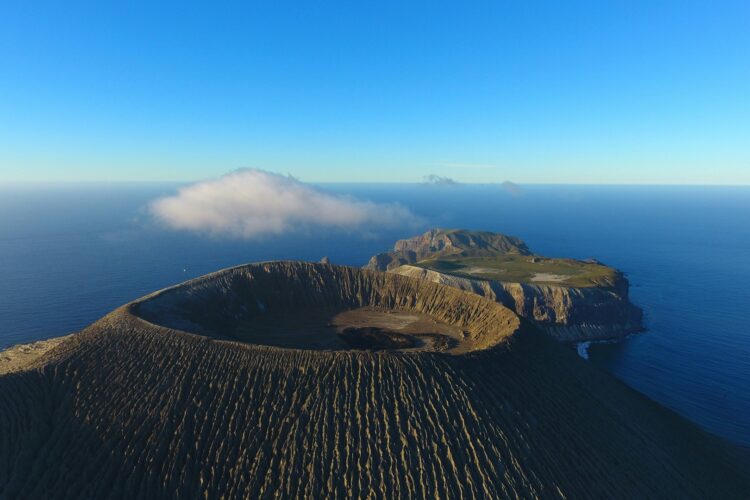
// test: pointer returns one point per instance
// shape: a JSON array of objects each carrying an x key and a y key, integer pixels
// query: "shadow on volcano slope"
[{"x": 134, "y": 406}]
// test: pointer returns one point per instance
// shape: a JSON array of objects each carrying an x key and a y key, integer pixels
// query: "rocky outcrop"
[
  {"x": 136, "y": 407},
  {"x": 566, "y": 313},
  {"x": 446, "y": 242}
]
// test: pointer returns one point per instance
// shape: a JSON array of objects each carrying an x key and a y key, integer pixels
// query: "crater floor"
[{"x": 359, "y": 328}]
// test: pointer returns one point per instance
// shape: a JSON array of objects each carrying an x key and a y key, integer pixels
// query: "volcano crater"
[{"x": 295, "y": 305}]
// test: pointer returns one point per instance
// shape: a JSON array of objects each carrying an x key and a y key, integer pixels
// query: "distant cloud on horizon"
[
  {"x": 437, "y": 180},
  {"x": 249, "y": 203}
]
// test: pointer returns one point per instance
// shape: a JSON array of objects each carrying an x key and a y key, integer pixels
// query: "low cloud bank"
[{"x": 249, "y": 203}]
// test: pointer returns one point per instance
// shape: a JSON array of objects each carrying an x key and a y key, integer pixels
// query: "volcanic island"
[{"x": 292, "y": 379}]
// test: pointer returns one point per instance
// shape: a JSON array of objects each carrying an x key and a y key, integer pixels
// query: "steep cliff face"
[
  {"x": 570, "y": 314},
  {"x": 599, "y": 310},
  {"x": 150, "y": 402},
  {"x": 446, "y": 242}
]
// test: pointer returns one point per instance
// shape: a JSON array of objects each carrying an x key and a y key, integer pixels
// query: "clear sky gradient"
[{"x": 549, "y": 92}]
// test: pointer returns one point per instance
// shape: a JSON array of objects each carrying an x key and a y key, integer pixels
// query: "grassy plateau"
[{"x": 525, "y": 269}]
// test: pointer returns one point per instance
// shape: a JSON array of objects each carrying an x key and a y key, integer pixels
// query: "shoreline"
[{"x": 582, "y": 347}]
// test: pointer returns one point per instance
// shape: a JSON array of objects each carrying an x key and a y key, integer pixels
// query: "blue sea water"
[{"x": 69, "y": 254}]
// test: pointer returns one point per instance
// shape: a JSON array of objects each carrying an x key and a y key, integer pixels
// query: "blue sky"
[{"x": 568, "y": 92}]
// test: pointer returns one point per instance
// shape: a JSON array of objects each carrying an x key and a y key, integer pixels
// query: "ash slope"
[
  {"x": 599, "y": 310},
  {"x": 128, "y": 409}
]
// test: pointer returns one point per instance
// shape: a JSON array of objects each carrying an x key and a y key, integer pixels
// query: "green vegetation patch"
[{"x": 525, "y": 269}]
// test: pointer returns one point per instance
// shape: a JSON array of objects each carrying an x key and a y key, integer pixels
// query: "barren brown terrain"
[
  {"x": 186, "y": 393},
  {"x": 330, "y": 329}
]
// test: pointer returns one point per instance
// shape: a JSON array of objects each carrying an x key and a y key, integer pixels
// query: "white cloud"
[{"x": 248, "y": 203}]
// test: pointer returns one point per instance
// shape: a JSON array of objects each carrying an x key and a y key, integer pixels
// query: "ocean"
[{"x": 69, "y": 254}]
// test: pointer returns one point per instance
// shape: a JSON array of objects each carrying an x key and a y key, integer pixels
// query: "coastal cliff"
[
  {"x": 565, "y": 313},
  {"x": 591, "y": 305}
]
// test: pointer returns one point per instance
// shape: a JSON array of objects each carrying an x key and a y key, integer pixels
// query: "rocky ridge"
[
  {"x": 441, "y": 242},
  {"x": 214, "y": 305}
]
